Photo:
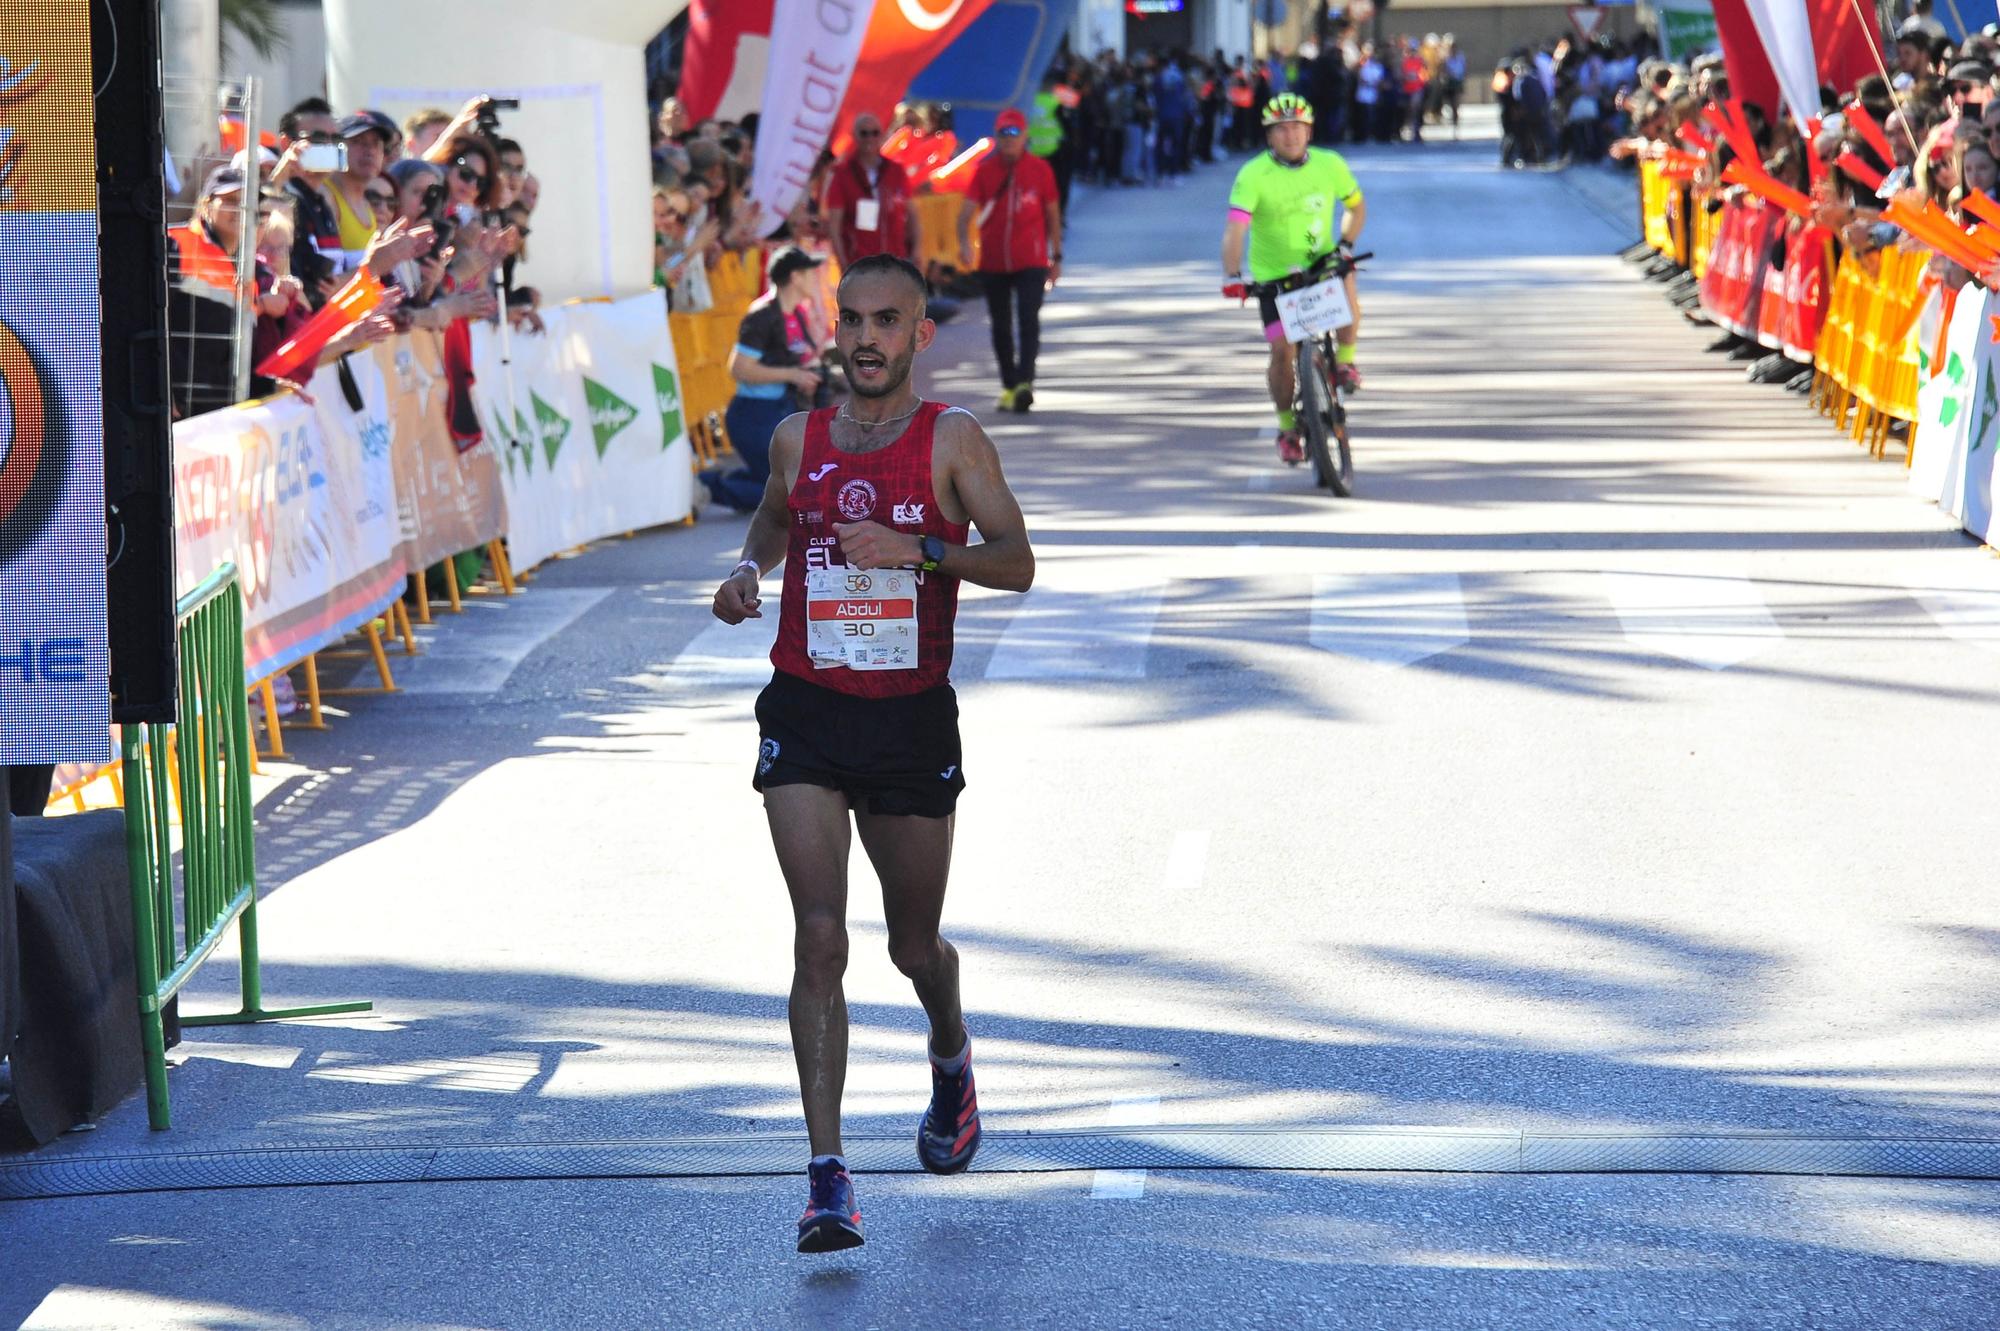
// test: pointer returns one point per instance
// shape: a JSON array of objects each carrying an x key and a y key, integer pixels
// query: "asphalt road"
[{"x": 1616, "y": 763}]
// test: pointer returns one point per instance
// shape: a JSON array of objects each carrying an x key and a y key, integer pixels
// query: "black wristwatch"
[{"x": 933, "y": 550}]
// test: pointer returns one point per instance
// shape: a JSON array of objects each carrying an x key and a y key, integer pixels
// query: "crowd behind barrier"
[{"x": 1853, "y": 261}]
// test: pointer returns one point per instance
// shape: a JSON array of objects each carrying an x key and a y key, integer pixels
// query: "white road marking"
[
  {"x": 1142, "y": 1111},
  {"x": 1079, "y": 634},
  {"x": 729, "y": 656},
  {"x": 1713, "y": 621},
  {"x": 478, "y": 651},
  {"x": 1396, "y": 619},
  {"x": 1187, "y": 862},
  {"x": 1965, "y": 613}
]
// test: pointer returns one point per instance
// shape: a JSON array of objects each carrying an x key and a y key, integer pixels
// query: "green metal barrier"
[{"x": 205, "y": 760}]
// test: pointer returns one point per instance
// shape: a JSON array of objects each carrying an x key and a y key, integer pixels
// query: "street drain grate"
[{"x": 1319, "y": 1149}]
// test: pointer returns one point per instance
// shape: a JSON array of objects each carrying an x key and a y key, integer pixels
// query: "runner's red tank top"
[{"x": 835, "y": 612}]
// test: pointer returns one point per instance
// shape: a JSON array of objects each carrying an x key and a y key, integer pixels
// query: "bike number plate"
[
  {"x": 864, "y": 619},
  {"x": 1314, "y": 310}
]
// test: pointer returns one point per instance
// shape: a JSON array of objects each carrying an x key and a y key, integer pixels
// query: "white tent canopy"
[{"x": 578, "y": 68}]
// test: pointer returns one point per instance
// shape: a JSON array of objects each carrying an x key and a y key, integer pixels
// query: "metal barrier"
[{"x": 205, "y": 760}]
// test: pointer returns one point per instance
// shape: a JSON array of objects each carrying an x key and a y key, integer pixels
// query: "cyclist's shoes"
[
  {"x": 1024, "y": 397},
  {"x": 1006, "y": 402},
  {"x": 1290, "y": 451},
  {"x": 948, "y": 1136},
  {"x": 833, "y": 1218},
  {"x": 1349, "y": 376}
]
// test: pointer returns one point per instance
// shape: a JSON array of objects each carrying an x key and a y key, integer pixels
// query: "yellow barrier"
[
  {"x": 1653, "y": 199},
  {"x": 1866, "y": 358},
  {"x": 937, "y": 231}
]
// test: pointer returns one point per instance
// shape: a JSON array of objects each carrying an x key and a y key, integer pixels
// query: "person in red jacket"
[
  {"x": 867, "y": 200},
  {"x": 1014, "y": 202}
]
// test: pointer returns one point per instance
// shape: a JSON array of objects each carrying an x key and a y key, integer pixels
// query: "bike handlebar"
[{"x": 1335, "y": 263}]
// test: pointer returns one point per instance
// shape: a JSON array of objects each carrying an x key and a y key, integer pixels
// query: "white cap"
[{"x": 265, "y": 157}]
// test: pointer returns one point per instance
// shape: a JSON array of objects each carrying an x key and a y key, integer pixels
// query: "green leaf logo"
[
  {"x": 667, "y": 393},
  {"x": 1989, "y": 403},
  {"x": 609, "y": 413},
  {"x": 522, "y": 434},
  {"x": 554, "y": 426},
  {"x": 1954, "y": 370}
]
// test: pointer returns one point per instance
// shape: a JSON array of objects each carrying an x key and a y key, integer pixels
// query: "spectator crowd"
[
  {"x": 436, "y": 210},
  {"x": 1923, "y": 140}
]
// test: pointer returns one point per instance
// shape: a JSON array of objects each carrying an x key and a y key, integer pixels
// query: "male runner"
[
  {"x": 1296, "y": 202},
  {"x": 868, "y": 508}
]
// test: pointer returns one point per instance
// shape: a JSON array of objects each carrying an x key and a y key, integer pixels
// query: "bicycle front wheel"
[{"x": 1322, "y": 421}]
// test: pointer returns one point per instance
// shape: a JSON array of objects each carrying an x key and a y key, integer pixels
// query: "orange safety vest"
[{"x": 206, "y": 269}]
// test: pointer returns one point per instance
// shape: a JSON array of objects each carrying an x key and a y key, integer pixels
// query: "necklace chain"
[{"x": 846, "y": 415}]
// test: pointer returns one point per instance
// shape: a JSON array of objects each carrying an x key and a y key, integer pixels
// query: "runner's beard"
[{"x": 895, "y": 373}]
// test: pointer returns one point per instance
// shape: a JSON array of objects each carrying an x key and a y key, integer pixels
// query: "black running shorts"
[{"x": 892, "y": 756}]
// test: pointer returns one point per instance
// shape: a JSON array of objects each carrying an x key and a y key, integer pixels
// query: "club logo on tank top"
[{"x": 856, "y": 500}]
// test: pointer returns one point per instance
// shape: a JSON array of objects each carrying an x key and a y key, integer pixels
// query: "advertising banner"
[
  {"x": 302, "y": 500},
  {"x": 55, "y": 670},
  {"x": 588, "y": 424},
  {"x": 815, "y": 46},
  {"x": 1944, "y": 400},
  {"x": 446, "y": 501},
  {"x": 1958, "y": 418}
]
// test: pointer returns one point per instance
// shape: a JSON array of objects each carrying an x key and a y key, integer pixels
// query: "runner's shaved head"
[{"x": 875, "y": 264}]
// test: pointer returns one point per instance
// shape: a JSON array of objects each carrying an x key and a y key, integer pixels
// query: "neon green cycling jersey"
[{"x": 1294, "y": 211}]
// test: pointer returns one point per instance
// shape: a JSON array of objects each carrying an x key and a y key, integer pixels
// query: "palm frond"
[{"x": 256, "y": 24}]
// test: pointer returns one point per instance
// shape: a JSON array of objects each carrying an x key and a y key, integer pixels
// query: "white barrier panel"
[
  {"x": 1958, "y": 419},
  {"x": 589, "y": 423},
  {"x": 578, "y": 68},
  {"x": 302, "y": 500}
]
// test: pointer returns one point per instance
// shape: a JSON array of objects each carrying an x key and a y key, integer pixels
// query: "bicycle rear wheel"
[{"x": 1322, "y": 421}]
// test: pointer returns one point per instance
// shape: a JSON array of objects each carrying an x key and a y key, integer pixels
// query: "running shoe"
[
  {"x": 1349, "y": 375},
  {"x": 833, "y": 1218},
  {"x": 1024, "y": 397},
  {"x": 948, "y": 1137},
  {"x": 1290, "y": 451},
  {"x": 1006, "y": 402}
]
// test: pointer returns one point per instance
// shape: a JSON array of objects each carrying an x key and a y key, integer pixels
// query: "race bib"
[
  {"x": 867, "y": 214},
  {"x": 1317, "y": 309},
  {"x": 864, "y": 619}
]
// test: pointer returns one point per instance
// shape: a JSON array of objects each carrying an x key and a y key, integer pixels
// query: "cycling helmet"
[{"x": 1287, "y": 108}]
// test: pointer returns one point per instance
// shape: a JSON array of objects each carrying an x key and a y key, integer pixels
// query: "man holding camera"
[{"x": 312, "y": 153}]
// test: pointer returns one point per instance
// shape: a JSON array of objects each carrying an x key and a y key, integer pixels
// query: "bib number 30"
[{"x": 863, "y": 619}]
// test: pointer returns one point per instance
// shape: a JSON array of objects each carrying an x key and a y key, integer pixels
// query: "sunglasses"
[
  {"x": 468, "y": 175},
  {"x": 380, "y": 200},
  {"x": 676, "y": 216},
  {"x": 867, "y": 133}
]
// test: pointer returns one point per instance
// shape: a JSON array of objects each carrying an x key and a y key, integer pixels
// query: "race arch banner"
[
  {"x": 588, "y": 423},
  {"x": 55, "y": 669}
]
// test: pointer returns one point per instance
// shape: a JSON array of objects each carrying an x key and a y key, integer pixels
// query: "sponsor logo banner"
[
  {"x": 597, "y": 364},
  {"x": 55, "y": 703},
  {"x": 446, "y": 501},
  {"x": 302, "y": 500}
]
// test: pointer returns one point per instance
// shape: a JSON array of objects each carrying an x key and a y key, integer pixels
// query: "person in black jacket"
[{"x": 778, "y": 370}]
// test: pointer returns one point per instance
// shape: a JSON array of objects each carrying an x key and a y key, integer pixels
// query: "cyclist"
[{"x": 1296, "y": 202}]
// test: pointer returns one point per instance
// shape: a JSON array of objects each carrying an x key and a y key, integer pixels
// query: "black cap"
[
  {"x": 1970, "y": 71},
  {"x": 370, "y": 122},
  {"x": 789, "y": 259}
]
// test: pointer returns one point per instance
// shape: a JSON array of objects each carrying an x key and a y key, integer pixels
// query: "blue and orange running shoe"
[
  {"x": 833, "y": 1218},
  {"x": 948, "y": 1137}
]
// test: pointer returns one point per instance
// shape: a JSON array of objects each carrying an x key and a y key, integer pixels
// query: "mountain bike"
[{"x": 1312, "y": 306}]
